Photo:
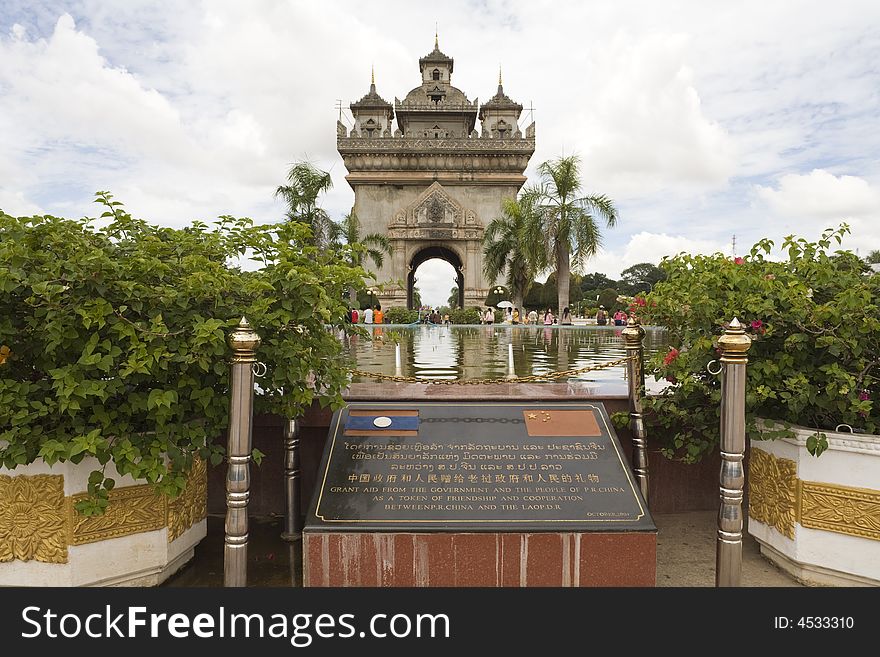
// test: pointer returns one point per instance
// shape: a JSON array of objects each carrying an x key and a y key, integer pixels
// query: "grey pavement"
[{"x": 686, "y": 553}]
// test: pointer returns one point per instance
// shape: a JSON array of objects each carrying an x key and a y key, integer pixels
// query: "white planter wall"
[
  {"x": 141, "y": 540},
  {"x": 818, "y": 517}
]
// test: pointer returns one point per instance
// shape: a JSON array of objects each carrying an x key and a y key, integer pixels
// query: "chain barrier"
[{"x": 552, "y": 376}]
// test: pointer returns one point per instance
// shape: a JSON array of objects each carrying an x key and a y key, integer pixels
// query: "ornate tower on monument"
[{"x": 435, "y": 182}]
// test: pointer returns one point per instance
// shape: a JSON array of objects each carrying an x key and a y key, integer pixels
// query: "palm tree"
[
  {"x": 873, "y": 258},
  {"x": 373, "y": 246},
  {"x": 306, "y": 183},
  {"x": 563, "y": 230},
  {"x": 503, "y": 248}
]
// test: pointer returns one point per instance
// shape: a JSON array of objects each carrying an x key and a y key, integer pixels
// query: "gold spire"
[
  {"x": 499, "y": 75},
  {"x": 436, "y": 37},
  {"x": 372, "y": 74}
]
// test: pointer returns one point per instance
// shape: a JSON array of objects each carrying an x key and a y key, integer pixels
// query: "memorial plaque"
[{"x": 475, "y": 467}]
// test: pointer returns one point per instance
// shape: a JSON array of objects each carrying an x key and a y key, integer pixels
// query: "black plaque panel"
[{"x": 477, "y": 467}]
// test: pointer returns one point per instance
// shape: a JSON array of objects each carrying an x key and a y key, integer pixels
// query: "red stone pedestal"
[{"x": 486, "y": 559}]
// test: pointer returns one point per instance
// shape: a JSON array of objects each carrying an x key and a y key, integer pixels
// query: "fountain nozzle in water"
[
  {"x": 511, "y": 369},
  {"x": 398, "y": 368}
]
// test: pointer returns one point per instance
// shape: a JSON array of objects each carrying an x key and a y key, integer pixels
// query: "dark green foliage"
[
  {"x": 639, "y": 278},
  {"x": 815, "y": 324},
  {"x": 401, "y": 316},
  {"x": 117, "y": 337},
  {"x": 465, "y": 316}
]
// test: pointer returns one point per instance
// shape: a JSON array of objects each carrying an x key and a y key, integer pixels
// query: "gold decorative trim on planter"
[
  {"x": 132, "y": 510},
  {"x": 32, "y": 520},
  {"x": 773, "y": 491},
  {"x": 853, "y": 511},
  {"x": 37, "y": 522},
  {"x": 191, "y": 506},
  {"x": 779, "y": 499}
]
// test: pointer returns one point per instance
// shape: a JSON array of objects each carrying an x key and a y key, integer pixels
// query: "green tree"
[
  {"x": 596, "y": 281},
  {"x": 503, "y": 248},
  {"x": 563, "y": 231},
  {"x": 305, "y": 184},
  {"x": 374, "y": 246},
  {"x": 640, "y": 278},
  {"x": 873, "y": 258},
  {"x": 452, "y": 301}
]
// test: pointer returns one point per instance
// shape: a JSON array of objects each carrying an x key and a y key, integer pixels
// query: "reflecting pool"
[{"x": 480, "y": 352}]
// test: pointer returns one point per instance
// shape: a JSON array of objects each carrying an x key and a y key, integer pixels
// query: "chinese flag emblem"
[{"x": 561, "y": 423}]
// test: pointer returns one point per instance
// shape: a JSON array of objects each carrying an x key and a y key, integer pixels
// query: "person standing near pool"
[
  {"x": 489, "y": 317},
  {"x": 548, "y": 318},
  {"x": 601, "y": 316},
  {"x": 533, "y": 317},
  {"x": 566, "y": 316},
  {"x": 378, "y": 315},
  {"x": 368, "y": 315}
]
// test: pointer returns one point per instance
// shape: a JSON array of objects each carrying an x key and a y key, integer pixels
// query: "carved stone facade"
[{"x": 433, "y": 184}]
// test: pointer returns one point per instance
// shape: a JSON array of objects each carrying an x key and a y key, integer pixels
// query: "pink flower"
[
  {"x": 864, "y": 396},
  {"x": 738, "y": 261},
  {"x": 671, "y": 356},
  {"x": 640, "y": 301}
]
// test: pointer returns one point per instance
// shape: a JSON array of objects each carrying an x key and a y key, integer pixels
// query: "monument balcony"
[{"x": 425, "y": 145}]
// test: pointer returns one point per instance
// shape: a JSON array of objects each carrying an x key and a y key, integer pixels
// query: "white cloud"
[
  {"x": 644, "y": 128},
  {"x": 649, "y": 247},
  {"x": 822, "y": 195},
  {"x": 698, "y": 120}
]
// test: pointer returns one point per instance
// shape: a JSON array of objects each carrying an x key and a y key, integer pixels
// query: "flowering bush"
[
  {"x": 815, "y": 326},
  {"x": 113, "y": 339}
]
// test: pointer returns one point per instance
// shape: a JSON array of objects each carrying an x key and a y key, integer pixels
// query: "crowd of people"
[
  {"x": 367, "y": 315},
  {"x": 513, "y": 316},
  {"x": 510, "y": 316}
]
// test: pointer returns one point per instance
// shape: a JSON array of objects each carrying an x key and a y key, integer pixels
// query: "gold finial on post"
[
  {"x": 436, "y": 37},
  {"x": 734, "y": 343},
  {"x": 499, "y": 75},
  {"x": 372, "y": 74}
]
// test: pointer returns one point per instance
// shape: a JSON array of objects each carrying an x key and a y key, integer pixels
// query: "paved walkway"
[{"x": 685, "y": 555}]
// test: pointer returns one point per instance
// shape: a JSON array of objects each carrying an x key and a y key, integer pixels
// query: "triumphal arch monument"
[{"x": 434, "y": 182}]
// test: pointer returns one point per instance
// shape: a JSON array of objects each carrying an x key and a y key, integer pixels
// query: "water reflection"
[{"x": 472, "y": 352}]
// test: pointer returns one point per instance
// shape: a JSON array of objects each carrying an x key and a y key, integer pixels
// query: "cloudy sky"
[{"x": 702, "y": 120}]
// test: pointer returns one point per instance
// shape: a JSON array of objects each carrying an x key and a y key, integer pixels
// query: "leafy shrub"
[
  {"x": 815, "y": 326},
  {"x": 465, "y": 316},
  {"x": 401, "y": 316},
  {"x": 115, "y": 337}
]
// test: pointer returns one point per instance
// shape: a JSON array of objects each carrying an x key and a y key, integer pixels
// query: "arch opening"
[{"x": 435, "y": 253}]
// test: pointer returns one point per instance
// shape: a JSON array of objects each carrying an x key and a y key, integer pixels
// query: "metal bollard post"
[
  {"x": 244, "y": 342},
  {"x": 292, "y": 483},
  {"x": 734, "y": 345},
  {"x": 633, "y": 335}
]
